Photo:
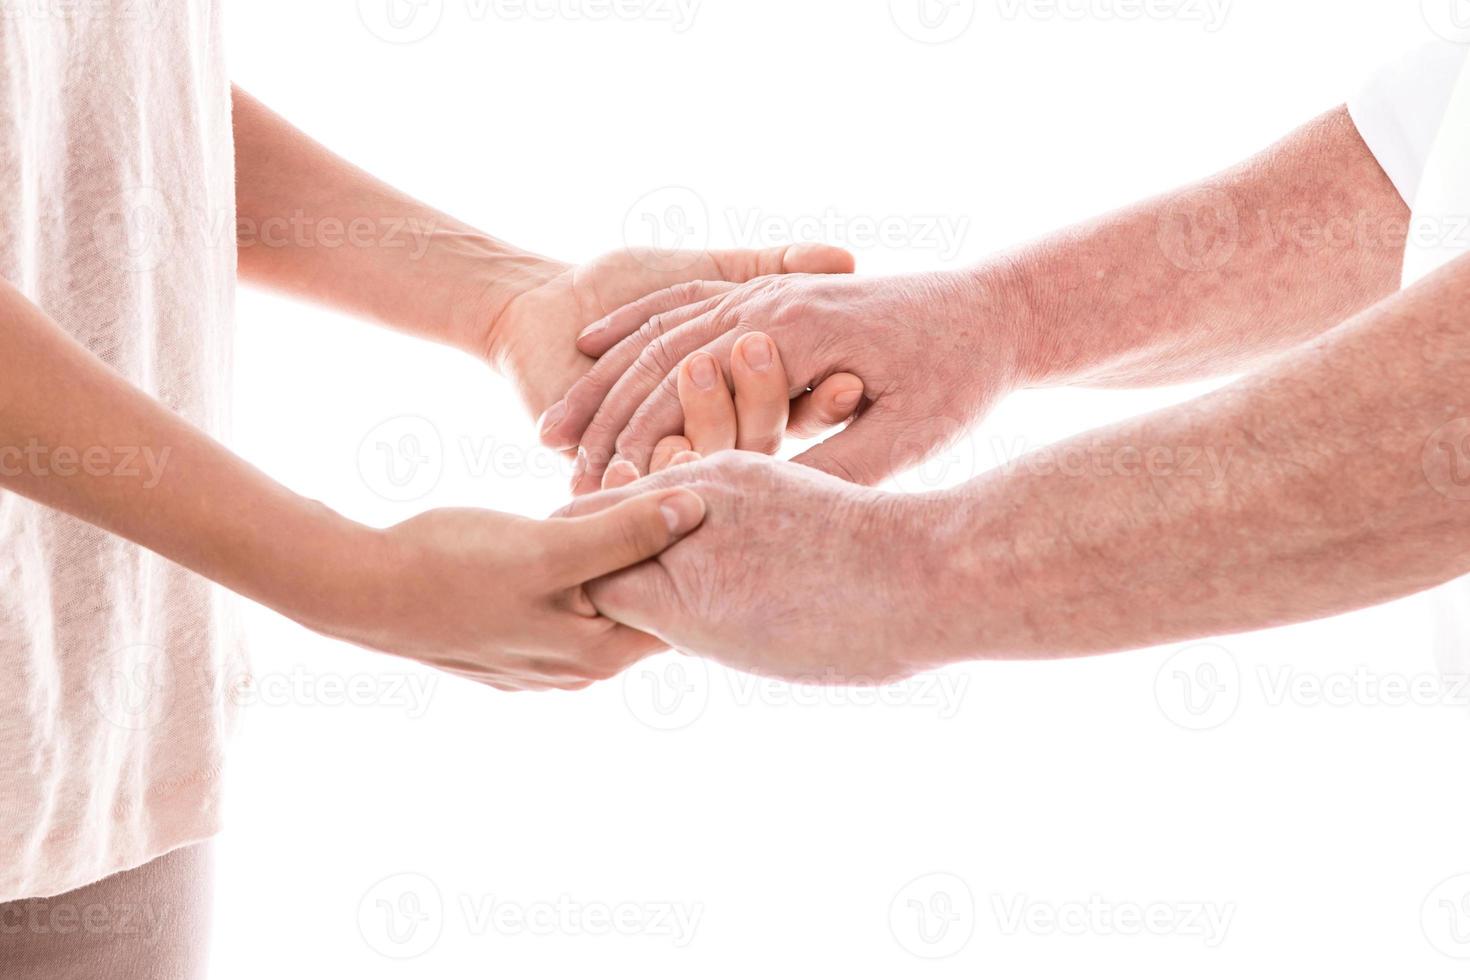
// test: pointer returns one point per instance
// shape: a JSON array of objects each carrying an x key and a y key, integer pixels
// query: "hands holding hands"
[
  {"x": 933, "y": 352},
  {"x": 686, "y": 372},
  {"x": 501, "y": 599},
  {"x": 794, "y": 574}
]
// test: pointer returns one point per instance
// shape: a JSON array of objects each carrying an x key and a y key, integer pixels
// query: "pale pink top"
[{"x": 117, "y": 220}]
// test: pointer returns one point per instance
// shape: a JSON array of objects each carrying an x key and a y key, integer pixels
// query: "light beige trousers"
[{"x": 151, "y": 923}]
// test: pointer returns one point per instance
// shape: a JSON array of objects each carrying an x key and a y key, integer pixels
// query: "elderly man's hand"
[
  {"x": 794, "y": 574},
  {"x": 532, "y": 339},
  {"x": 934, "y": 352}
]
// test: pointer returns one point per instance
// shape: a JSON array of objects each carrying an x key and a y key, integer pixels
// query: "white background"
[{"x": 736, "y": 828}]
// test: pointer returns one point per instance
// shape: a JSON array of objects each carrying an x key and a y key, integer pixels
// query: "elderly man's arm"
[
  {"x": 1336, "y": 478},
  {"x": 1206, "y": 281}
]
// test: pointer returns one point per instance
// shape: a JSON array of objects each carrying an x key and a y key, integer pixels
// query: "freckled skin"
[{"x": 1311, "y": 487}]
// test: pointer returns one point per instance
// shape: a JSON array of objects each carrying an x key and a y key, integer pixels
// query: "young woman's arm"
[
  {"x": 315, "y": 226},
  {"x": 494, "y": 597}
]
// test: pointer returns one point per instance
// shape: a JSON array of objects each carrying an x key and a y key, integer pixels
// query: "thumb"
[
  {"x": 866, "y": 452},
  {"x": 745, "y": 265},
  {"x": 633, "y": 531}
]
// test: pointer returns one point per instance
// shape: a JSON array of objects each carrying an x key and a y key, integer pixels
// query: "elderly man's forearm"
[
  {"x": 1335, "y": 479},
  {"x": 1212, "y": 278}
]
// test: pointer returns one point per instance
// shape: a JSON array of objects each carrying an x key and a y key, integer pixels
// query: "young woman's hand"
[
  {"x": 533, "y": 338},
  {"x": 500, "y": 599}
]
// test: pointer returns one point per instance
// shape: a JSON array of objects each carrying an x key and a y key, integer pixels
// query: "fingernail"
[
  {"x": 682, "y": 511},
  {"x": 848, "y": 400},
  {"x": 621, "y": 468},
  {"x": 757, "y": 351},
  {"x": 596, "y": 328},
  {"x": 552, "y": 417},
  {"x": 579, "y": 467},
  {"x": 704, "y": 371}
]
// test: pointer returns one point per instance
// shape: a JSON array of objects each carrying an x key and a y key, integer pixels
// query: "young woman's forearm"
[
  {"x": 315, "y": 226},
  {"x": 1336, "y": 478},
  {"x": 77, "y": 437},
  {"x": 1209, "y": 280}
]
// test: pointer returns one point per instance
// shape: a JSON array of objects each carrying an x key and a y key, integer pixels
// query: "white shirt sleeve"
[{"x": 1399, "y": 111}]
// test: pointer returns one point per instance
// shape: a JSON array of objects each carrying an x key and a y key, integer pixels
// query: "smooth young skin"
[
  {"x": 1214, "y": 279},
  {"x": 444, "y": 281},
  {"x": 490, "y": 596},
  {"x": 1344, "y": 489}
]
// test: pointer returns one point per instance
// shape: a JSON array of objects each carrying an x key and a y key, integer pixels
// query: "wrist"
[
  {"x": 328, "y": 573},
  {"x": 920, "y": 544},
  {"x": 489, "y": 277},
  {"x": 1010, "y": 301}
]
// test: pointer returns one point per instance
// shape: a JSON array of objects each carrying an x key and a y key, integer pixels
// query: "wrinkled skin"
[
  {"x": 533, "y": 338},
  {"x": 935, "y": 353},
  {"x": 794, "y": 574}
]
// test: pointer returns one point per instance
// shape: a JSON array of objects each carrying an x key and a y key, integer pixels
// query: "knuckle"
[
  {"x": 653, "y": 361},
  {"x": 764, "y": 445},
  {"x": 652, "y": 329},
  {"x": 688, "y": 292}
]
